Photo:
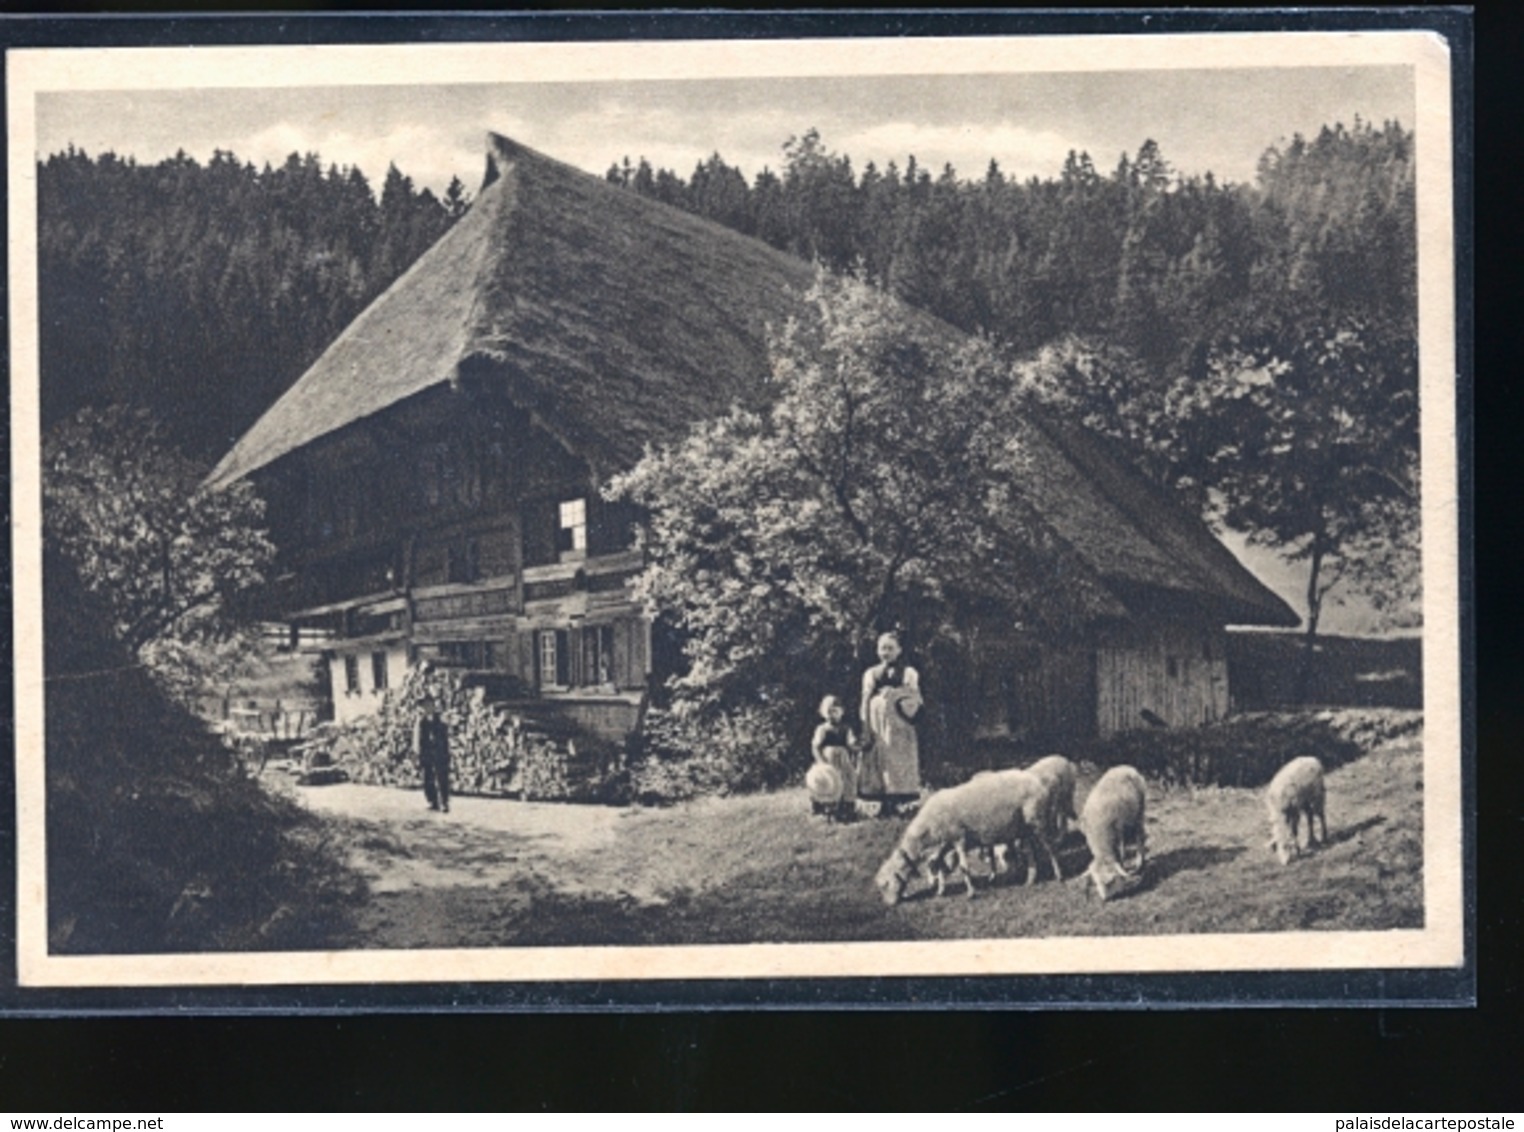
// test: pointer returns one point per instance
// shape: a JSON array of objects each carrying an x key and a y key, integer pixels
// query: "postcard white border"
[{"x": 1440, "y": 944}]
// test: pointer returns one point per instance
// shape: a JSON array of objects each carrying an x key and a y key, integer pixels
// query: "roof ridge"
[{"x": 485, "y": 210}]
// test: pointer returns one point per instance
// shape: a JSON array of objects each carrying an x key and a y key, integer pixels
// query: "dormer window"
[{"x": 571, "y": 541}]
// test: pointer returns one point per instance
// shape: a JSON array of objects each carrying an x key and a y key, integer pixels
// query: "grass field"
[{"x": 762, "y": 869}]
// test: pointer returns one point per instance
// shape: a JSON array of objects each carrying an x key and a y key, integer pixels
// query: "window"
[
  {"x": 597, "y": 656},
  {"x": 1172, "y": 667},
  {"x": 554, "y": 658},
  {"x": 572, "y": 540},
  {"x": 378, "y": 671},
  {"x": 352, "y": 675},
  {"x": 466, "y": 654},
  {"x": 449, "y": 476},
  {"x": 433, "y": 472}
]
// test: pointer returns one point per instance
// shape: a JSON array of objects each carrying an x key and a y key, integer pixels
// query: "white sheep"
[
  {"x": 1296, "y": 790},
  {"x": 1057, "y": 774},
  {"x": 1047, "y": 816},
  {"x": 1111, "y": 821},
  {"x": 986, "y": 811}
]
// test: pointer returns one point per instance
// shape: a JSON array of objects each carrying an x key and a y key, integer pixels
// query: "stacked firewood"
[{"x": 492, "y": 751}]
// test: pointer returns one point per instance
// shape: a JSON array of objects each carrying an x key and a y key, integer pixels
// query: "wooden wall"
[
  {"x": 1178, "y": 671},
  {"x": 1036, "y": 693},
  {"x": 455, "y": 498}
]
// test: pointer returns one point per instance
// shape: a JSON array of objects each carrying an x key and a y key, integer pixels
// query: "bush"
[
  {"x": 735, "y": 752},
  {"x": 1247, "y": 750}
]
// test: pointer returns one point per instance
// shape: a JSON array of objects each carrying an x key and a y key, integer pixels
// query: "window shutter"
[{"x": 522, "y": 649}]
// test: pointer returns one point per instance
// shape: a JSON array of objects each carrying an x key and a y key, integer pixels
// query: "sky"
[{"x": 1218, "y": 120}]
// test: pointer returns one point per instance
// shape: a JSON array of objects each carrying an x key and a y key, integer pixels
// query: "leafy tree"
[
  {"x": 1290, "y": 409},
  {"x": 1313, "y": 423},
  {"x": 881, "y": 487},
  {"x": 170, "y": 559},
  {"x": 1308, "y": 429}
]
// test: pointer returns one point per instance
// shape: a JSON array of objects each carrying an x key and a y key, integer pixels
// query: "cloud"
[
  {"x": 428, "y": 155},
  {"x": 670, "y": 137}
]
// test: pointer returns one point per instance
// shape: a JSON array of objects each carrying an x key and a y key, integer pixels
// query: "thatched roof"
[
  {"x": 619, "y": 321},
  {"x": 1141, "y": 542}
]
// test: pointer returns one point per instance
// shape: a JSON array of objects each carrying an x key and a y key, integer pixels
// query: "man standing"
[{"x": 431, "y": 743}]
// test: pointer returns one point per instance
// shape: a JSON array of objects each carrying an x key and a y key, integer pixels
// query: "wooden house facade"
[
  {"x": 480, "y": 544},
  {"x": 433, "y": 480}
]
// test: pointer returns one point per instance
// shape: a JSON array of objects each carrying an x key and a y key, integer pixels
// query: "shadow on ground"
[
  {"x": 1194, "y": 858},
  {"x": 1350, "y": 832}
]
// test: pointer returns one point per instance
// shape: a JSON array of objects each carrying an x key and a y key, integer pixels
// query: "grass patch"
[
  {"x": 1263, "y": 670},
  {"x": 760, "y": 868}
]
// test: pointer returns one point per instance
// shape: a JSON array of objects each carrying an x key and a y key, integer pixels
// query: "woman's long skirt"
[{"x": 892, "y": 765}]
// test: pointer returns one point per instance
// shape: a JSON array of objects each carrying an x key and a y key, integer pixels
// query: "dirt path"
[
  {"x": 498, "y": 873},
  {"x": 476, "y": 875}
]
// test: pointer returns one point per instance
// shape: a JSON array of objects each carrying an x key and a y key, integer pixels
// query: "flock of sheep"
[{"x": 1002, "y": 812}]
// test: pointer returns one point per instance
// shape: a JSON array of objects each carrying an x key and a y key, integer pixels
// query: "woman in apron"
[{"x": 890, "y": 770}]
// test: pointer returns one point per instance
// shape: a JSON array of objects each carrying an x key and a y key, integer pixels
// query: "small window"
[
  {"x": 554, "y": 658},
  {"x": 378, "y": 671},
  {"x": 433, "y": 471},
  {"x": 572, "y": 540},
  {"x": 547, "y": 659},
  {"x": 352, "y": 675},
  {"x": 598, "y": 656},
  {"x": 1172, "y": 667},
  {"x": 466, "y": 654}
]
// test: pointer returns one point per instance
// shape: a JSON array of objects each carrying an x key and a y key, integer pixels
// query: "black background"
[{"x": 1369, "y": 1060}]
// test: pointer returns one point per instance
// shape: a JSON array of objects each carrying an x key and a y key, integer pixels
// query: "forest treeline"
[
  {"x": 201, "y": 292},
  {"x": 1139, "y": 257}
]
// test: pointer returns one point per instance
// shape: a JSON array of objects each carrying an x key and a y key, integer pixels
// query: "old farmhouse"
[{"x": 433, "y": 479}]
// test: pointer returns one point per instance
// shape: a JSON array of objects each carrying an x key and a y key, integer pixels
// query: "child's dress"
[{"x": 833, "y": 745}]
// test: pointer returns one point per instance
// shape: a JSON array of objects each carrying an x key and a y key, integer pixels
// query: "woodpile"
[{"x": 493, "y": 752}]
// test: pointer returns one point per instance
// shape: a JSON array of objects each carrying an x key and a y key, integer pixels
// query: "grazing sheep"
[
  {"x": 986, "y": 811},
  {"x": 1296, "y": 790},
  {"x": 1049, "y": 819},
  {"x": 1057, "y": 774},
  {"x": 1045, "y": 815},
  {"x": 1112, "y": 820}
]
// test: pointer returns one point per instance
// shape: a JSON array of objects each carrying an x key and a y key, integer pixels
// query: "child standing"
[{"x": 832, "y": 779}]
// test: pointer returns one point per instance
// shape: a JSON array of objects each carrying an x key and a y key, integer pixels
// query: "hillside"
[{"x": 156, "y": 840}]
